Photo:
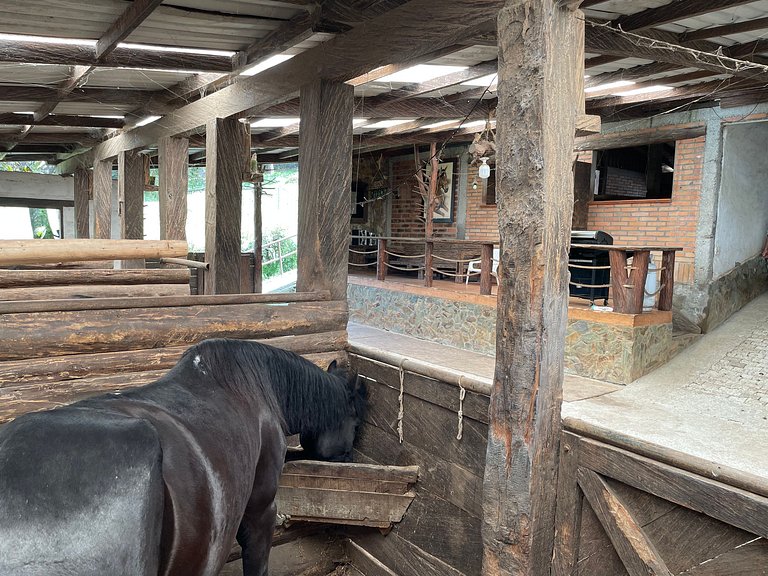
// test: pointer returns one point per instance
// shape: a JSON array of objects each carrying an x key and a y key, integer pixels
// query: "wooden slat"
[
  {"x": 51, "y": 251},
  {"x": 568, "y": 513},
  {"x": 25, "y": 278},
  {"x": 312, "y": 468},
  {"x": 61, "y": 333},
  {"x": 638, "y": 554},
  {"x": 535, "y": 209},
  {"x": 720, "y": 501},
  {"x": 157, "y": 302},
  {"x": 327, "y": 505},
  {"x": 57, "y": 368},
  {"x": 367, "y": 563},
  {"x": 88, "y": 291}
]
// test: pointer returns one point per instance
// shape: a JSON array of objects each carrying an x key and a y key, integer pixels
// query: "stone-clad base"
[
  {"x": 731, "y": 292},
  {"x": 617, "y": 354},
  {"x": 606, "y": 346}
]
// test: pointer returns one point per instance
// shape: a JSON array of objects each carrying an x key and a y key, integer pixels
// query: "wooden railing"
[
  {"x": 628, "y": 279},
  {"x": 437, "y": 257}
]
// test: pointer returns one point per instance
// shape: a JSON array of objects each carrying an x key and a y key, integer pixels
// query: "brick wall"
[
  {"x": 660, "y": 222},
  {"x": 620, "y": 182},
  {"x": 482, "y": 219}
]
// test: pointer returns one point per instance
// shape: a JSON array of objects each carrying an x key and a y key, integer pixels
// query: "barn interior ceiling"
[{"x": 127, "y": 71}]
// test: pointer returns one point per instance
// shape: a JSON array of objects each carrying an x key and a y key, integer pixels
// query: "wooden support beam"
[
  {"x": 126, "y": 23},
  {"x": 638, "y": 137},
  {"x": 173, "y": 168},
  {"x": 130, "y": 199},
  {"x": 83, "y": 194},
  {"x": 102, "y": 199},
  {"x": 541, "y": 49},
  {"x": 34, "y": 52},
  {"x": 637, "y": 552},
  {"x": 325, "y": 182},
  {"x": 225, "y": 163},
  {"x": 672, "y": 11},
  {"x": 60, "y": 120},
  {"x": 726, "y": 30}
]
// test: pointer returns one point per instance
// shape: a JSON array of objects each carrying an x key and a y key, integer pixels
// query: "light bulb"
[
  {"x": 484, "y": 171},
  {"x": 474, "y": 184}
]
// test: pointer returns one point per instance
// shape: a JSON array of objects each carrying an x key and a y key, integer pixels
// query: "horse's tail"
[{"x": 80, "y": 496}]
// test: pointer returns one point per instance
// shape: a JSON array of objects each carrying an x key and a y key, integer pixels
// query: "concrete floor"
[{"x": 709, "y": 405}]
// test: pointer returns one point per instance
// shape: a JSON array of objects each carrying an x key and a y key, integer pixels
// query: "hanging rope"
[
  {"x": 401, "y": 411},
  {"x": 462, "y": 394}
]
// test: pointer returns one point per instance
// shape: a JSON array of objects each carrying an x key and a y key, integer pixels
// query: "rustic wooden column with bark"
[
  {"x": 173, "y": 165},
  {"x": 225, "y": 163},
  {"x": 130, "y": 198},
  {"x": 325, "y": 182},
  {"x": 83, "y": 188},
  {"x": 541, "y": 56},
  {"x": 102, "y": 199}
]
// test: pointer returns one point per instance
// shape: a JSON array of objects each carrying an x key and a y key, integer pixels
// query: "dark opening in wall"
[
  {"x": 636, "y": 173},
  {"x": 489, "y": 186}
]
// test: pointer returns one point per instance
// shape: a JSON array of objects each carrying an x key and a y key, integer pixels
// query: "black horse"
[{"x": 162, "y": 479}]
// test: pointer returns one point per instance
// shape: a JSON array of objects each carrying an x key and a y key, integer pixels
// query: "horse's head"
[{"x": 335, "y": 443}]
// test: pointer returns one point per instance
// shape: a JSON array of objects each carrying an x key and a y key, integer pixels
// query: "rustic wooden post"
[
  {"x": 130, "y": 198},
  {"x": 628, "y": 288},
  {"x": 666, "y": 280},
  {"x": 258, "y": 256},
  {"x": 486, "y": 265},
  {"x": 226, "y": 156},
  {"x": 429, "y": 248},
  {"x": 173, "y": 171},
  {"x": 429, "y": 225},
  {"x": 381, "y": 260},
  {"x": 541, "y": 57},
  {"x": 83, "y": 193},
  {"x": 325, "y": 179},
  {"x": 102, "y": 199}
]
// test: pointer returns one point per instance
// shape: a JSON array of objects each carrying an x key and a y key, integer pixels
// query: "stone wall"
[
  {"x": 607, "y": 346},
  {"x": 732, "y": 291}
]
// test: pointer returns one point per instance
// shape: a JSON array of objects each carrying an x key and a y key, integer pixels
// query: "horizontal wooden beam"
[
  {"x": 397, "y": 36},
  {"x": 726, "y": 30},
  {"x": 638, "y": 138},
  {"x": 60, "y": 120},
  {"x": 82, "y": 138},
  {"x": 673, "y": 11},
  {"x": 53, "y": 251},
  {"x": 126, "y": 23},
  {"x": 34, "y": 52}
]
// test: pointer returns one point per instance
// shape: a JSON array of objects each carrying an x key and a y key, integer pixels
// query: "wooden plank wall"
[{"x": 440, "y": 534}]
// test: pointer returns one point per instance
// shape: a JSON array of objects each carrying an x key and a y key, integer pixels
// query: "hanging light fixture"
[{"x": 484, "y": 171}]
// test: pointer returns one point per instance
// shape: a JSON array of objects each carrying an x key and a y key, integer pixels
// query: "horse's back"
[{"x": 81, "y": 493}]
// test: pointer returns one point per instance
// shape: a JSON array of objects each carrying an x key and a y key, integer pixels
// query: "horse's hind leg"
[{"x": 258, "y": 523}]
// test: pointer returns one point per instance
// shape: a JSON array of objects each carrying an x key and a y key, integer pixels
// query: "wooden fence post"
[
  {"x": 381, "y": 260},
  {"x": 486, "y": 263},
  {"x": 666, "y": 279},
  {"x": 429, "y": 248}
]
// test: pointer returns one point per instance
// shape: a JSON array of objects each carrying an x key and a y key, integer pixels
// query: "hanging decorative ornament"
[{"x": 484, "y": 171}]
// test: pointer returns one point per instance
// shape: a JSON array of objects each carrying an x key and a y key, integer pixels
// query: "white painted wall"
[
  {"x": 742, "y": 211},
  {"x": 24, "y": 185}
]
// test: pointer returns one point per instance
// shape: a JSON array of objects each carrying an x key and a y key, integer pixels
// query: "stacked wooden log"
[{"x": 67, "y": 334}]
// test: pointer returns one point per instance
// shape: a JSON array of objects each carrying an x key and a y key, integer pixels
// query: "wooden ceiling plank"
[
  {"x": 399, "y": 35},
  {"x": 726, "y": 30},
  {"x": 60, "y": 120},
  {"x": 672, "y": 12},
  {"x": 126, "y": 23}
]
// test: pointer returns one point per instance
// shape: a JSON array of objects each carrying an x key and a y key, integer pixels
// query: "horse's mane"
[{"x": 308, "y": 398}]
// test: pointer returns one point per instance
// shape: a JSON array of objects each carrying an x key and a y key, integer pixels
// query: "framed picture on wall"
[{"x": 445, "y": 192}]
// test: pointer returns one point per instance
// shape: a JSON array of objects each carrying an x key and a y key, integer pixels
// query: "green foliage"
[
  {"x": 38, "y": 167},
  {"x": 40, "y": 225},
  {"x": 287, "y": 246}
]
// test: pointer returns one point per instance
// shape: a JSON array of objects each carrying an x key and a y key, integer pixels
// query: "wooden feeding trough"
[{"x": 345, "y": 493}]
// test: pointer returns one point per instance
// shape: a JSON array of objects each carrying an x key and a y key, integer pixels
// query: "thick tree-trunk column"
[
  {"x": 173, "y": 165},
  {"x": 325, "y": 181},
  {"x": 540, "y": 85},
  {"x": 225, "y": 162},
  {"x": 102, "y": 199},
  {"x": 130, "y": 197},
  {"x": 83, "y": 187}
]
